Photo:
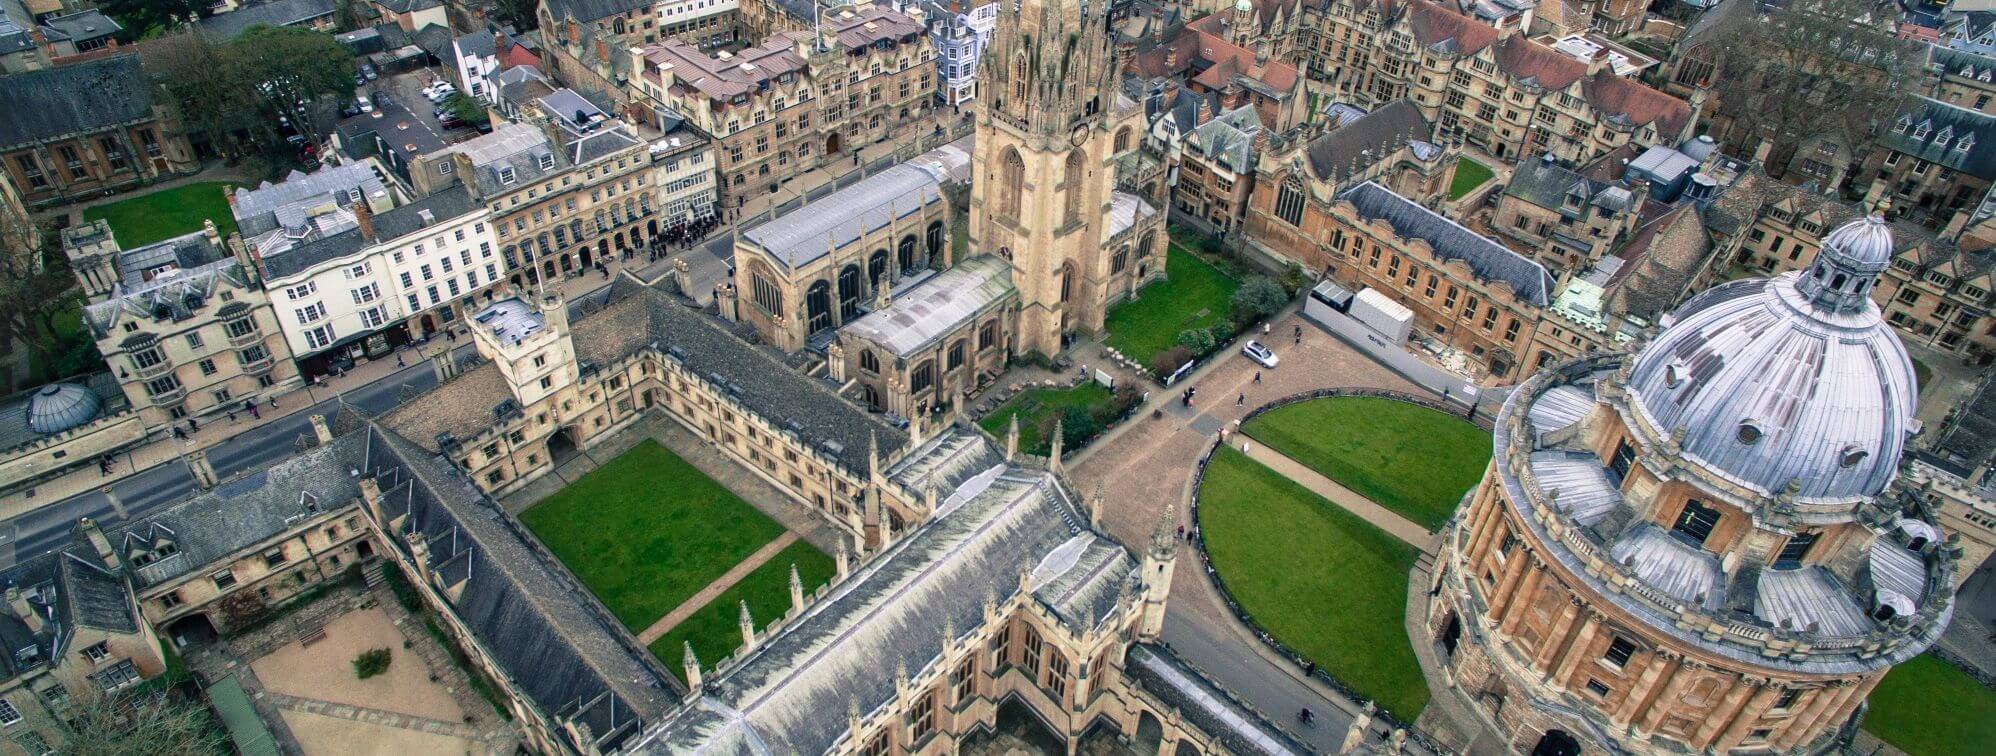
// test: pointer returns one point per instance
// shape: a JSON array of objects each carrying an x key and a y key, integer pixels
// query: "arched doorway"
[
  {"x": 561, "y": 445},
  {"x": 1556, "y": 743},
  {"x": 1451, "y": 634},
  {"x": 192, "y": 630},
  {"x": 833, "y": 144}
]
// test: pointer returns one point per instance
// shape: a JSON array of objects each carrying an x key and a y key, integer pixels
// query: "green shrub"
[
  {"x": 1198, "y": 341},
  {"x": 1258, "y": 298},
  {"x": 1077, "y": 426},
  {"x": 371, "y": 663},
  {"x": 1169, "y": 360},
  {"x": 1294, "y": 279}
]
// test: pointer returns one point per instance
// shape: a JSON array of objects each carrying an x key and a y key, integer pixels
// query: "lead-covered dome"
[
  {"x": 1793, "y": 380},
  {"x": 58, "y": 407}
]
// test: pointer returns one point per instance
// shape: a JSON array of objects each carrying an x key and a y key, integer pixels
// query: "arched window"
[
  {"x": 765, "y": 294},
  {"x": 923, "y": 377},
  {"x": 987, "y": 337},
  {"x": 1144, "y": 246},
  {"x": 1289, "y": 204},
  {"x": 868, "y": 362},
  {"x": 906, "y": 254},
  {"x": 1075, "y": 176},
  {"x": 1066, "y": 282},
  {"x": 934, "y": 241},
  {"x": 849, "y": 292},
  {"x": 1119, "y": 260},
  {"x": 1019, "y": 78},
  {"x": 818, "y": 307},
  {"x": 957, "y": 351},
  {"x": 1011, "y": 183},
  {"x": 876, "y": 267}
]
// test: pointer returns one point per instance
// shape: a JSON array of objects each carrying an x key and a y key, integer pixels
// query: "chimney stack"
[
  {"x": 364, "y": 217},
  {"x": 1205, "y": 112}
]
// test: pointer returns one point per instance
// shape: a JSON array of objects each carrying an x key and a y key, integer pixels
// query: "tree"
[
  {"x": 467, "y": 109},
  {"x": 143, "y": 17},
  {"x": 35, "y": 287},
  {"x": 237, "y": 90},
  {"x": 1169, "y": 361},
  {"x": 520, "y": 13},
  {"x": 158, "y": 722},
  {"x": 1196, "y": 340},
  {"x": 1259, "y": 298},
  {"x": 1831, "y": 68}
]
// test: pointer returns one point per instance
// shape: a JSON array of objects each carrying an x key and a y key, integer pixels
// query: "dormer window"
[
  {"x": 1905, "y": 122},
  {"x": 1946, "y": 135},
  {"x": 1749, "y": 433},
  {"x": 547, "y": 161},
  {"x": 1851, "y": 456},
  {"x": 1966, "y": 141},
  {"x": 506, "y": 175},
  {"x": 1921, "y": 132}
]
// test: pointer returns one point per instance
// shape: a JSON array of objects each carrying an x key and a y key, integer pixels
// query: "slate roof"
[
  {"x": 1659, "y": 262},
  {"x": 1228, "y": 140},
  {"x": 1211, "y": 708},
  {"x": 636, "y": 317},
  {"x": 535, "y": 620},
  {"x": 89, "y": 595},
  {"x": 275, "y": 13},
  {"x": 14, "y": 410},
  {"x": 742, "y": 73},
  {"x": 444, "y": 205},
  {"x": 1547, "y": 184},
  {"x": 287, "y": 204},
  {"x": 83, "y": 26},
  {"x": 173, "y": 297},
  {"x": 590, "y": 10},
  {"x": 1946, "y": 134},
  {"x": 1970, "y": 437},
  {"x": 77, "y": 98},
  {"x": 1400, "y": 121},
  {"x": 1450, "y": 241},
  {"x": 245, "y": 510},
  {"x": 801, "y": 236},
  {"x": 790, "y": 693},
  {"x": 938, "y": 307},
  {"x": 871, "y": 25}
]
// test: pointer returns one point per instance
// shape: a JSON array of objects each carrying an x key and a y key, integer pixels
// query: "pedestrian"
[
  {"x": 1241, "y": 401},
  {"x": 178, "y": 433},
  {"x": 193, "y": 425},
  {"x": 1299, "y": 337},
  {"x": 1264, "y": 328},
  {"x": 232, "y": 417},
  {"x": 1257, "y": 377},
  {"x": 398, "y": 360}
]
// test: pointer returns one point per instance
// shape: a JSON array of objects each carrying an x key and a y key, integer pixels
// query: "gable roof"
[
  {"x": 73, "y": 99},
  {"x": 1489, "y": 260},
  {"x": 1946, "y": 134},
  {"x": 1399, "y": 121}
]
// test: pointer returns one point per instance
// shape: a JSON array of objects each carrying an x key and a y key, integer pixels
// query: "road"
[{"x": 147, "y": 490}]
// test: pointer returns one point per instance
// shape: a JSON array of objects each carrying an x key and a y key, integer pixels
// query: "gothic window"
[
  {"x": 765, "y": 294},
  {"x": 934, "y": 240},
  {"x": 1011, "y": 183},
  {"x": 876, "y": 267},
  {"x": 957, "y": 352},
  {"x": 1019, "y": 78},
  {"x": 818, "y": 307},
  {"x": 1066, "y": 283},
  {"x": 1074, "y": 174},
  {"x": 906, "y": 253},
  {"x": 868, "y": 362},
  {"x": 849, "y": 292},
  {"x": 1122, "y": 140},
  {"x": 922, "y": 378},
  {"x": 1289, "y": 204},
  {"x": 1119, "y": 260},
  {"x": 987, "y": 337},
  {"x": 1145, "y": 245}
]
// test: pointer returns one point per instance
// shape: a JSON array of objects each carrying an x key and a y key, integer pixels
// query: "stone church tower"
[{"x": 1046, "y": 134}]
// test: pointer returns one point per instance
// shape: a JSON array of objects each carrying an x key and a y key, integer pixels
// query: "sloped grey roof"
[
  {"x": 246, "y": 509},
  {"x": 801, "y": 236},
  {"x": 1546, "y": 183},
  {"x": 174, "y": 297},
  {"x": 945, "y": 461},
  {"x": 636, "y": 317},
  {"x": 1675, "y": 568},
  {"x": 590, "y": 10},
  {"x": 444, "y": 206},
  {"x": 1331, "y": 155},
  {"x": 535, "y": 620},
  {"x": 1215, "y": 711},
  {"x": 1586, "y": 493},
  {"x": 83, "y": 26},
  {"x": 72, "y": 99},
  {"x": 1958, "y": 125},
  {"x": 1126, "y": 210},
  {"x": 15, "y": 411},
  {"x": 789, "y": 694},
  {"x": 275, "y": 13},
  {"x": 1450, "y": 241},
  {"x": 1228, "y": 140},
  {"x": 88, "y": 595},
  {"x": 285, "y": 204},
  {"x": 937, "y": 307},
  {"x": 1807, "y": 598}
]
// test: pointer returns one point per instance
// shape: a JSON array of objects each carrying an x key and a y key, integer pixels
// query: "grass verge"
[
  {"x": 1194, "y": 294},
  {"x": 162, "y": 215},
  {"x": 715, "y": 629},
  {"x": 1406, "y": 458}
]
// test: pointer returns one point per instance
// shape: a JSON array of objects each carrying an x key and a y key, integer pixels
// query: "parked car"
[
  {"x": 367, "y": 70},
  {"x": 1261, "y": 355},
  {"x": 366, "y": 106}
]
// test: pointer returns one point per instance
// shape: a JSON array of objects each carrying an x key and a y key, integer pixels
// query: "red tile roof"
[
  {"x": 1434, "y": 24},
  {"x": 1615, "y": 95},
  {"x": 1521, "y": 58}
]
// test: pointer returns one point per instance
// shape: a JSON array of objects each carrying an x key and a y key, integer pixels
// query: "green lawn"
[
  {"x": 1927, "y": 708},
  {"x": 1323, "y": 581},
  {"x": 1194, "y": 294},
  {"x": 715, "y": 629},
  {"x": 646, "y": 531},
  {"x": 1034, "y": 405},
  {"x": 168, "y": 213},
  {"x": 1412, "y": 460},
  {"x": 1469, "y": 174}
]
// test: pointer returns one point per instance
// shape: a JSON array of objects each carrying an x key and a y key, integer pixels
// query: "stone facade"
[
  {"x": 130, "y": 141},
  {"x": 1047, "y": 142}
]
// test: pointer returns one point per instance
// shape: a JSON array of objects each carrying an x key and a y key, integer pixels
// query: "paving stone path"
[
  {"x": 1381, "y": 517},
  {"x": 714, "y": 589},
  {"x": 373, "y": 716}
]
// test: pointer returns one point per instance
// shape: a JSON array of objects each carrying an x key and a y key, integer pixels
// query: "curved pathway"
[{"x": 1144, "y": 469}]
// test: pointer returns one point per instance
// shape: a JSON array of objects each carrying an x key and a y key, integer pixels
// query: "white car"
[
  {"x": 366, "y": 106},
  {"x": 437, "y": 92},
  {"x": 1261, "y": 355}
]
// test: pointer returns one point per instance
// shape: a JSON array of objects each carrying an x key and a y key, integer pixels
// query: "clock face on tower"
[{"x": 1080, "y": 135}]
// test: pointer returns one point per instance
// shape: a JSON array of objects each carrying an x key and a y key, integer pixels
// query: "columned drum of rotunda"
[{"x": 1701, "y": 545}]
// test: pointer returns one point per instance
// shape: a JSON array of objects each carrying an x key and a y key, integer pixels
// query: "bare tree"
[
  {"x": 150, "y": 723},
  {"x": 1820, "y": 68},
  {"x": 35, "y": 285}
]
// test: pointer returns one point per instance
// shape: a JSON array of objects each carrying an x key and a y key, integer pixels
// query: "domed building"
[{"x": 1701, "y": 546}]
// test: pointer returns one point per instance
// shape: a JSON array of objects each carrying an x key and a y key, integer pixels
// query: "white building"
[
  {"x": 389, "y": 279},
  {"x": 704, "y": 23},
  {"x": 684, "y": 174},
  {"x": 959, "y": 39}
]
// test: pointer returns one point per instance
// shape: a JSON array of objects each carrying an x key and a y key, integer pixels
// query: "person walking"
[
  {"x": 1257, "y": 377},
  {"x": 1241, "y": 401}
]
